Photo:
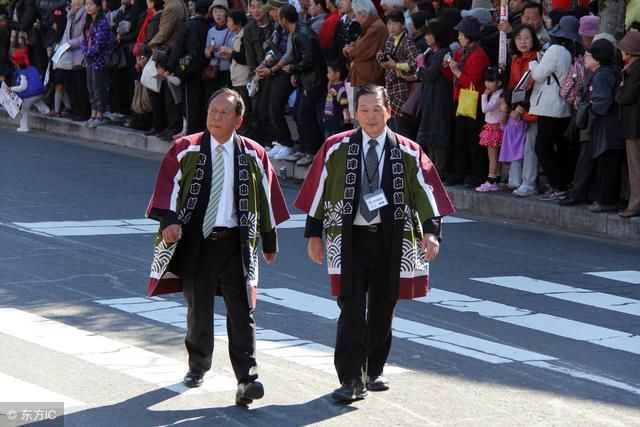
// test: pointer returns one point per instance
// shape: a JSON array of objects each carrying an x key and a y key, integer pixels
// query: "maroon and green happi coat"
[
  {"x": 181, "y": 196},
  {"x": 331, "y": 193}
]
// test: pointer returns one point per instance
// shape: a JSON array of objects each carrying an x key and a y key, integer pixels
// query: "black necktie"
[{"x": 370, "y": 180}]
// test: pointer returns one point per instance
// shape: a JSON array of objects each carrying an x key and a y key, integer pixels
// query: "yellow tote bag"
[{"x": 468, "y": 102}]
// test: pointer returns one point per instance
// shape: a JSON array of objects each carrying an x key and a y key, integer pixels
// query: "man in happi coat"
[
  {"x": 216, "y": 195},
  {"x": 380, "y": 202}
]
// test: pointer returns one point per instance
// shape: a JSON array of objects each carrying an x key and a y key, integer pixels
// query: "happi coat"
[
  {"x": 181, "y": 196},
  {"x": 331, "y": 192}
]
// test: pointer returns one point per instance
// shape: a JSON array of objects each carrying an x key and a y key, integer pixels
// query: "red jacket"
[
  {"x": 328, "y": 29},
  {"x": 472, "y": 71}
]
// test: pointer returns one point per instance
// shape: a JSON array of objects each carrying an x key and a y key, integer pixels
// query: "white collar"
[
  {"x": 227, "y": 146},
  {"x": 380, "y": 138}
]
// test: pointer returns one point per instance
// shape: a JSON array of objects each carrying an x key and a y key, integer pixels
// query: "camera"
[
  {"x": 270, "y": 58},
  {"x": 383, "y": 57}
]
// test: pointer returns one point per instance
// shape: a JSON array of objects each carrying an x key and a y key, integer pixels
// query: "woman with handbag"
[
  {"x": 470, "y": 161},
  {"x": 217, "y": 73},
  {"x": 74, "y": 35},
  {"x": 398, "y": 58},
  {"x": 95, "y": 49}
]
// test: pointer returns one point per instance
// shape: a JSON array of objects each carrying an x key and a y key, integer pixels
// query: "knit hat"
[
  {"x": 484, "y": 4},
  {"x": 630, "y": 43},
  {"x": 20, "y": 57},
  {"x": 589, "y": 25},
  {"x": 481, "y": 14},
  {"x": 602, "y": 51},
  {"x": 470, "y": 27},
  {"x": 567, "y": 28},
  {"x": 274, "y": 4},
  {"x": 219, "y": 3}
]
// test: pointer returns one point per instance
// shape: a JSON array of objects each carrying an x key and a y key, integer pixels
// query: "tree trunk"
[{"x": 612, "y": 17}]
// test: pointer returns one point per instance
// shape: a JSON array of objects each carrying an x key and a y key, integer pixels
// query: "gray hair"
[
  {"x": 399, "y": 4},
  {"x": 363, "y": 8}
]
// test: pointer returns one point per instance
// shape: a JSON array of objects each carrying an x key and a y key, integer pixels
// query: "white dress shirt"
[
  {"x": 226, "y": 215},
  {"x": 382, "y": 138}
]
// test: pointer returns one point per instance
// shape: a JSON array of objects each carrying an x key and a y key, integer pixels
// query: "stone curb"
[{"x": 500, "y": 204}]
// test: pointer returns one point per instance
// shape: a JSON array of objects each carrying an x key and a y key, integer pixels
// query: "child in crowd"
[
  {"x": 60, "y": 76},
  {"x": 491, "y": 133},
  {"x": 513, "y": 139},
  {"x": 28, "y": 86},
  {"x": 336, "y": 107}
]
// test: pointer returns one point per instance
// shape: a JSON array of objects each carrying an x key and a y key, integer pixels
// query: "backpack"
[{"x": 573, "y": 83}]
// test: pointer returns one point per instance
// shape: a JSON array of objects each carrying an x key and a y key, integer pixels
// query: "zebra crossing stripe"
[
  {"x": 107, "y": 227},
  {"x": 450, "y": 341},
  {"x": 427, "y": 335},
  {"x": 566, "y": 293},
  {"x": 277, "y": 344},
  {"x": 103, "y": 352},
  {"x": 16, "y": 390},
  {"x": 547, "y": 323},
  {"x": 627, "y": 276}
]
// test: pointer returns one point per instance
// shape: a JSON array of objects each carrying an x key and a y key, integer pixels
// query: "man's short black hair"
[
  {"x": 289, "y": 13},
  {"x": 372, "y": 89},
  {"x": 238, "y": 16},
  {"x": 533, "y": 5},
  {"x": 239, "y": 103}
]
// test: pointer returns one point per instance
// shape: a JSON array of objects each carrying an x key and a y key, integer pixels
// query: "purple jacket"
[{"x": 96, "y": 45}]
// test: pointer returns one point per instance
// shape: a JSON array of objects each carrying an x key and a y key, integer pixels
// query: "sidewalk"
[{"x": 500, "y": 204}]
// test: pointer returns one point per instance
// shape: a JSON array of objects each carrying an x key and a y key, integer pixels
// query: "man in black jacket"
[
  {"x": 187, "y": 60},
  {"x": 309, "y": 75}
]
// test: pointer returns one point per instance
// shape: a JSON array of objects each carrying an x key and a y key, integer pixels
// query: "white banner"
[{"x": 10, "y": 100}]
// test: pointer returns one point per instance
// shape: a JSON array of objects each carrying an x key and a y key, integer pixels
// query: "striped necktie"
[
  {"x": 369, "y": 180},
  {"x": 217, "y": 180}
]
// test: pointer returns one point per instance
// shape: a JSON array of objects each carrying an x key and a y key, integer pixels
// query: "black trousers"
[
  {"x": 363, "y": 339},
  {"x": 220, "y": 269},
  {"x": 279, "y": 89},
  {"x": 195, "y": 104},
  {"x": 259, "y": 129},
  {"x": 470, "y": 161},
  {"x": 79, "y": 94},
  {"x": 552, "y": 150},
  {"x": 607, "y": 180},
  {"x": 311, "y": 133},
  {"x": 584, "y": 174}
]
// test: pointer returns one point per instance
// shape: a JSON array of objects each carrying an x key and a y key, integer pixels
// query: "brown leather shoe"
[{"x": 628, "y": 213}]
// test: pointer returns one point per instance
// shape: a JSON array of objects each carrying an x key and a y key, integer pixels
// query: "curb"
[{"x": 500, "y": 204}]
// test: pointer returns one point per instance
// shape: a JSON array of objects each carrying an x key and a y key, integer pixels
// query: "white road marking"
[
  {"x": 450, "y": 341},
  {"x": 135, "y": 226},
  {"x": 17, "y": 390},
  {"x": 547, "y": 323},
  {"x": 627, "y": 276},
  {"x": 566, "y": 293},
  {"x": 103, "y": 352},
  {"x": 300, "y": 351}
]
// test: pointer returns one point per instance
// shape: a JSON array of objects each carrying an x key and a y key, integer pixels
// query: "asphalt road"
[{"x": 516, "y": 330}]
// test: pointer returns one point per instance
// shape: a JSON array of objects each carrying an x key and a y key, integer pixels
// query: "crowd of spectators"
[{"x": 564, "y": 105}]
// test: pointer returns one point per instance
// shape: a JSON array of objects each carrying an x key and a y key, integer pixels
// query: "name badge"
[{"x": 375, "y": 200}]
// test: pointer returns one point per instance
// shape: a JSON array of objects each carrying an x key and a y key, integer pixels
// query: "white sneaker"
[
  {"x": 275, "y": 147},
  {"x": 283, "y": 153},
  {"x": 524, "y": 191},
  {"x": 23, "y": 129},
  {"x": 295, "y": 156},
  {"x": 305, "y": 161}
]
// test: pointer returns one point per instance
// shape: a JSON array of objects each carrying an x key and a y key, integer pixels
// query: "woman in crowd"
[
  {"x": 524, "y": 47},
  {"x": 606, "y": 144},
  {"x": 398, "y": 59},
  {"x": 74, "y": 35},
  {"x": 628, "y": 97},
  {"x": 470, "y": 161},
  {"x": 96, "y": 46},
  {"x": 554, "y": 113},
  {"x": 436, "y": 124},
  {"x": 219, "y": 35}
]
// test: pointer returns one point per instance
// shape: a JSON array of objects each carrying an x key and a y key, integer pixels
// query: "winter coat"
[
  {"x": 240, "y": 74},
  {"x": 437, "y": 103},
  {"x": 190, "y": 49},
  {"x": 549, "y": 75},
  {"x": 365, "y": 68},
  {"x": 74, "y": 35},
  {"x": 605, "y": 127},
  {"x": 628, "y": 98},
  {"x": 96, "y": 44},
  {"x": 308, "y": 63},
  {"x": 471, "y": 71}
]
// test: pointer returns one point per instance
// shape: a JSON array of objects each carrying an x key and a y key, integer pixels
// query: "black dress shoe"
[
  {"x": 248, "y": 392},
  {"x": 452, "y": 180},
  {"x": 194, "y": 378},
  {"x": 378, "y": 383},
  {"x": 150, "y": 132},
  {"x": 572, "y": 202},
  {"x": 349, "y": 391}
]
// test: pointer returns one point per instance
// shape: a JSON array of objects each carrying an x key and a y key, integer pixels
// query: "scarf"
[{"x": 143, "y": 31}]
